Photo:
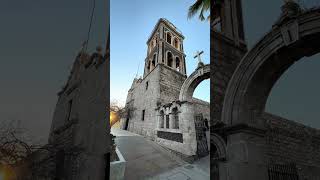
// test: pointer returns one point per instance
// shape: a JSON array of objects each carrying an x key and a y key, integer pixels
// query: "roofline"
[{"x": 165, "y": 21}]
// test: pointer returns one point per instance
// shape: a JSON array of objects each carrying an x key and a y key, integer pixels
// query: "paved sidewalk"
[
  {"x": 199, "y": 170},
  {"x": 120, "y": 132},
  {"x": 148, "y": 160}
]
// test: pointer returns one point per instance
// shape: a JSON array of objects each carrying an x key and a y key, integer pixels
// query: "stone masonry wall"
[
  {"x": 170, "y": 84},
  {"x": 202, "y": 107},
  {"x": 224, "y": 58},
  {"x": 87, "y": 88},
  {"x": 145, "y": 99},
  {"x": 288, "y": 142},
  {"x": 163, "y": 87}
]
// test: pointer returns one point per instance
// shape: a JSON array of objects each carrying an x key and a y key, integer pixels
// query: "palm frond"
[
  {"x": 201, "y": 15},
  {"x": 193, "y": 10},
  {"x": 200, "y": 6}
]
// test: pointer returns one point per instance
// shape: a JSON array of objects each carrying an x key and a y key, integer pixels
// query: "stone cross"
[{"x": 198, "y": 56}]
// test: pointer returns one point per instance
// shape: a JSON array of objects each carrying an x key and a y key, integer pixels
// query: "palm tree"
[{"x": 201, "y": 6}]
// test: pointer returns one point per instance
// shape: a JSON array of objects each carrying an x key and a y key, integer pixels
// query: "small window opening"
[
  {"x": 169, "y": 38},
  {"x": 170, "y": 59},
  {"x": 167, "y": 121},
  {"x": 143, "y": 113}
]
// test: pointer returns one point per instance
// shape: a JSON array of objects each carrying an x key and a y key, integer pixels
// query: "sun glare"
[
  {"x": 6, "y": 173},
  {"x": 2, "y": 174}
]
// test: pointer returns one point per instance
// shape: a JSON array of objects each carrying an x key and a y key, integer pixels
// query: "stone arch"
[
  {"x": 264, "y": 64},
  {"x": 218, "y": 153},
  {"x": 175, "y": 104},
  {"x": 190, "y": 84},
  {"x": 219, "y": 146}
]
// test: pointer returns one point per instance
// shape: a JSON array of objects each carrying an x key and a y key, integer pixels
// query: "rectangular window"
[
  {"x": 69, "y": 110},
  {"x": 147, "y": 84},
  {"x": 167, "y": 121},
  {"x": 143, "y": 113}
]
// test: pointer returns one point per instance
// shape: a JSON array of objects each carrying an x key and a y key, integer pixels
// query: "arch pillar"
[
  {"x": 245, "y": 157},
  {"x": 218, "y": 153},
  {"x": 186, "y": 125}
]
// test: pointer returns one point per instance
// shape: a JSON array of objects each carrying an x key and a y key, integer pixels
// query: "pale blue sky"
[{"x": 131, "y": 25}]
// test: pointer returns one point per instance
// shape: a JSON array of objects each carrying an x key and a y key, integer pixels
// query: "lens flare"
[
  {"x": 1, "y": 175},
  {"x": 6, "y": 173},
  {"x": 114, "y": 118}
]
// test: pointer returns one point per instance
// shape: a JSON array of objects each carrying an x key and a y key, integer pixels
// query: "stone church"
[
  {"x": 154, "y": 107},
  {"x": 78, "y": 145}
]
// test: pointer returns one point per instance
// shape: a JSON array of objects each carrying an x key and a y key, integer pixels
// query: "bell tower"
[{"x": 165, "y": 46}]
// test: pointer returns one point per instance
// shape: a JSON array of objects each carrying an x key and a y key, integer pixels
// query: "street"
[{"x": 148, "y": 160}]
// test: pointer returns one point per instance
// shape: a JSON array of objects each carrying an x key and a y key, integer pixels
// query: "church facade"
[{"x": 153, "y": 106}]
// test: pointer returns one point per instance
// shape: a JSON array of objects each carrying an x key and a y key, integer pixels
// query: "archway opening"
[
  {"x": 154, "y": 60},
  {"x": 176, "y": 43},
  {"x": 177, "y": 64},
  {"x": 202, "y": 91},
  {"x": 168, "y": 38},
  {"x": 201, "y": 103},
  {"x": 246, "y": 100},
  {"x": 295, "y": 96}
]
